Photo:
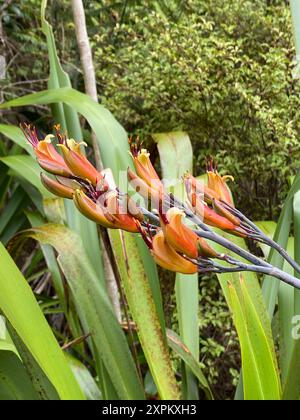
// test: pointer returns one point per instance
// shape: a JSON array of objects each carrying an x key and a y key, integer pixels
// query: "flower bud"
[
  {"x": 78, "y": 164},
  {"x": 90, "y": 209},
  {"x": 217, "y": 183},
  {"x": 56, "y": 188}
]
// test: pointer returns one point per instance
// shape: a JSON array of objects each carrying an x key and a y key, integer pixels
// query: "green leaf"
[
  {"x": 290, "y": 352},
  {"x": 94, "y": 308},
  {"x": 281, "y": 236},
  {"x": 260, "y": 373},
  {"x": 186, "y": 355},
  {"x": 16, "y": 135},
  {"x": 142, "y": 307},
  {"x": 19, "y": 306},
  {"x": 286, "y": 302},
  {"x": 6, "y": 342},
  {"x": 85, "y": 380},
  {"x": 253, "y": 289},
  {"x": 176, "y": 157},
  {"x": 14, "y": 381},
  {"x": 16, "y": 202},
  {"x": 39, "y": 381},
  {"x": 25, "y": 167}
]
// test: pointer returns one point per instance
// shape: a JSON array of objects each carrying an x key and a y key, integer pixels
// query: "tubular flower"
[
  {"x": 144, "y": 167},
  {"x": 220, "y": 209},
  {"x": 117, "y": 213},
  {"x": 166, "y": 256},
  {"x": 78, "y": 164},
  {"x": 132, "y": 208},
  {"x": 199, "y": 188},
  {"x": 209, "y": 215},
  {"x": 146, "y": 191},
  {"x": 56, "y": 187},
  {"x": 109, "y": 214},
  {"x": 217, "y": 183},
  {"x": 47, "y": 156},
  {"x": 90, "y": 209},
  {"x": 182, "y": 238}
]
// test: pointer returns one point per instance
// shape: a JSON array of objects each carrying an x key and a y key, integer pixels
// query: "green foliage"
[
  {"x": 219, "y": 348},
  {"x": 223, "y": 73}
]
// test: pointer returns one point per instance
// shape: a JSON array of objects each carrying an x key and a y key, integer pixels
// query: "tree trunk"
[{"x": 91, "y": 90}]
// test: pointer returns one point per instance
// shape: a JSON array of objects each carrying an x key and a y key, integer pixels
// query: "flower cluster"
[{"x": 176, "y": 232}]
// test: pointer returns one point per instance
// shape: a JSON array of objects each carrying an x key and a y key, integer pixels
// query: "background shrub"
[{"x": 221, "y": 71}]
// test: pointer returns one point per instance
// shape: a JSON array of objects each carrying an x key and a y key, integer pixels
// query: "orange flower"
[
  {"x": 56, "y": 187},
  {"x": 210, "y": 216},
  {"x": 117, "y": 213},
  {"x": 109, "y": 214},
  {"x": 78, "y": 164},
  {"x": 182, "y": 238},
  {"x": 166, "y": 256},
  {"x": 154, "y": 195},
  {"x": 47, "y": 156},
  {"x": 132, "y": 207},
  {"x": 90, "y": 209},
  {"x": 217, "y": 183},
  {"x": 220, "y": 209},
  {"x": 144, "y": 167},
  {"x": 199, "y": 188}
]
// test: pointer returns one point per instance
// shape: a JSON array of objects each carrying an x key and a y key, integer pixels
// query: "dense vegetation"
[{"x": 218, "y": 70}]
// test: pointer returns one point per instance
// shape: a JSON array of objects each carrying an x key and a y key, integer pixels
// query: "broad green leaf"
[
  {"x": 187, "y": 300},
  {"x": 290, "y": 353},
  {"x": 260, "y": 373},
  {"x": 85, "y": 380},
  {"x": 37, "y": 220},
  {"x": 15, "y": 204},
  {"x": 14, "y": 381},
  {"x": 142, "y": 307},
  {"x": 25, "y": 167},
  {"x": 186, "y": 355},
  {"x": 15, "y": 134},
  {"x": 39, "y": 381},
  {"x": 6, "y": 342},
  {"x": 281, "y": 236},
  {"x": 286, "y": 297},
  {"x": 19, "y": 306},
  {"x": 94, "y": 308},
  {"x": 176, "y": 157}
]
